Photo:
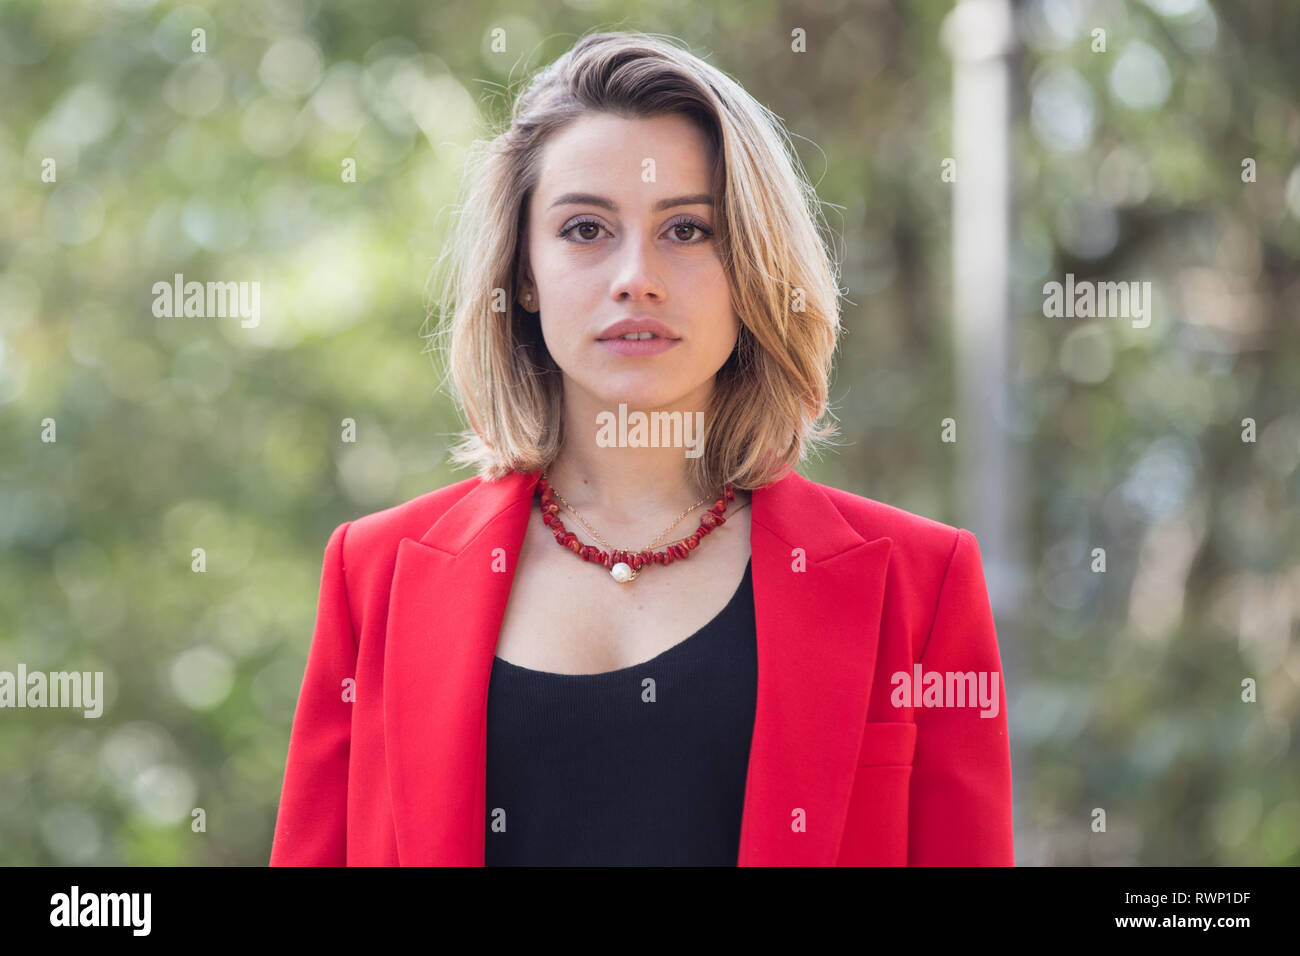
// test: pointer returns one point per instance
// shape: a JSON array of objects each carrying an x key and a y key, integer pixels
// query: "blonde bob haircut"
[{"x": 770, "y": 396}]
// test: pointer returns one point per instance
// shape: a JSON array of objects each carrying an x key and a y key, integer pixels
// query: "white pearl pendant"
[{"x": 622, "y": 573}]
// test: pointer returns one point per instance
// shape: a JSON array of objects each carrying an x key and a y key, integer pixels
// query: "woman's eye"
[{"x": 588, "y": 231}]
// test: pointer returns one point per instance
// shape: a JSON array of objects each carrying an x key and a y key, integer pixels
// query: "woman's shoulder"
[
  {"x": 925, "y": 555},
  {"x": 411, "y": 518},
  {"x": 914, "y": 537},
  {"x": 370, "y": 541}
]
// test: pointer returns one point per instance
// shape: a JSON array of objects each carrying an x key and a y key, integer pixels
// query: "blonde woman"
[{"x": 637, "y": 636}]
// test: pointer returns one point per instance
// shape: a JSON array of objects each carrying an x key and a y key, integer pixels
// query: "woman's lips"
[{"x": 637, "y": 347}]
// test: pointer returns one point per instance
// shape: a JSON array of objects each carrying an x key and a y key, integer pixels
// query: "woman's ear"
[
  {"x": 527, "y": 288},
  {"x": 527, "y": 295}
]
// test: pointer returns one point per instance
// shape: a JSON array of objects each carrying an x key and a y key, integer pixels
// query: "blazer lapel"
[
  {"x": 818, "y": 592},
  {"x": 445, "y": 609}
]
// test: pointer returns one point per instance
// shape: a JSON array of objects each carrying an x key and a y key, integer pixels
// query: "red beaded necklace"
[{"x": 624, "y": 566}]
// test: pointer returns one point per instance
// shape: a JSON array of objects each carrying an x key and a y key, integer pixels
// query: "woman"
[{"x": 501, "y": 671}]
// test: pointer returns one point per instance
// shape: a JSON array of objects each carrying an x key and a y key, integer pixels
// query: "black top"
[{"x": 645, "y": 765}]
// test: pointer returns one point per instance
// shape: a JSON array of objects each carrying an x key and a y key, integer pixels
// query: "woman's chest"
[{"x": 568, "y": 616}]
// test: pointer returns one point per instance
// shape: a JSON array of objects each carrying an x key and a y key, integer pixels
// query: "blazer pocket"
[{"x": 887, "y": 744}]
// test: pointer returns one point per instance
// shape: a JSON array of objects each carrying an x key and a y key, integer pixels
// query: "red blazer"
[{"x": 847, "y": 592}]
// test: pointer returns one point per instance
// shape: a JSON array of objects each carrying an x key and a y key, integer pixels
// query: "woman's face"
[{"x": 621, "y": 226}]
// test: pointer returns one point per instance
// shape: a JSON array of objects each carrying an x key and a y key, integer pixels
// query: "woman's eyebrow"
[{"x": 589, "y": 199}]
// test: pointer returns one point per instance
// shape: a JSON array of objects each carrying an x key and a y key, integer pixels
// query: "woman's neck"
[
  {"x": 626, "y": 485},
  {"x": 630, "y": 478}
]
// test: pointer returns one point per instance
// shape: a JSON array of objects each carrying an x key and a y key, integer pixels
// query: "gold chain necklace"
[
  {"x": 595, "y": 534},
  {"x": 624, "y": 565}
]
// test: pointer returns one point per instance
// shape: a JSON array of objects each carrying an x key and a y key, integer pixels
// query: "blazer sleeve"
[
  {"x": 960, "y": 803},
  {"x": 311, "y": 824}
]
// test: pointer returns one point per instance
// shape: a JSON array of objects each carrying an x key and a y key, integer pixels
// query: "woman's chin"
[{"x": 641, "y": 399}]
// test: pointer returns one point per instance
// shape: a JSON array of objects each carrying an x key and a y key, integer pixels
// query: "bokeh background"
[{"x": 1125, "y": 686}]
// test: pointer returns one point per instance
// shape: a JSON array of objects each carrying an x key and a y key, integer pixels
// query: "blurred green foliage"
[{"x": 175, "y": 433}]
